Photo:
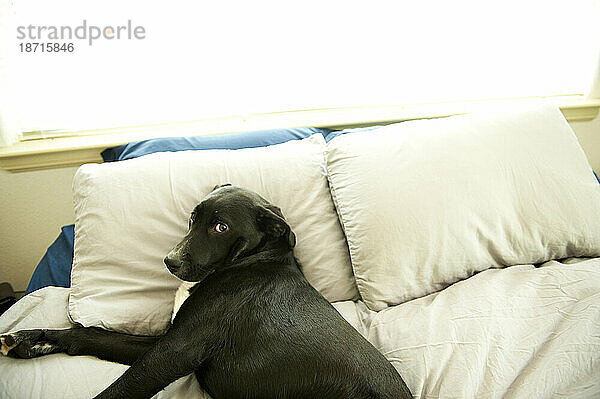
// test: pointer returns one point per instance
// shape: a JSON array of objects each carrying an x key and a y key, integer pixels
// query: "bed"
[
  {"x": 475, "y": 339},
  {"x": 527, "y": 330}
]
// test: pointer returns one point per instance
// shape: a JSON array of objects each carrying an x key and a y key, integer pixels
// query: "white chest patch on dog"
[{"x": 183, "y": 292}]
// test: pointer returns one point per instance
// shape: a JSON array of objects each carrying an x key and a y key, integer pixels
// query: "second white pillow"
[{"x": 427, "y": 203}]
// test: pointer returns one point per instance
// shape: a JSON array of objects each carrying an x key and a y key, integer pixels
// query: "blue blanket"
[{"x": 55, "y": 266}]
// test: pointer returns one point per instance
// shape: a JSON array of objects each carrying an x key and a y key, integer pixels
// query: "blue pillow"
[
  {"x": 230, "y": 141},
  {"x": 333, "y": 134},
  {"x": 55, "y": 266}
]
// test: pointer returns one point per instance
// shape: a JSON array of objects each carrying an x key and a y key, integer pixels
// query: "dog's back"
[{"x": 274, "y": 336}]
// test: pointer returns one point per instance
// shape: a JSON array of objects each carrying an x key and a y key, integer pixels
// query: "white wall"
[{"x": 34, "y": 205}]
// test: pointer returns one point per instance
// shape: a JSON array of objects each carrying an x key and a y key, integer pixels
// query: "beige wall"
[
  {"x": 589, "y": 137},
  {"x": 34, "y": 205}
]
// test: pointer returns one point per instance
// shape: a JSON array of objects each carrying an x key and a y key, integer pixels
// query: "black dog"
[{"x": 252, "y": 327}]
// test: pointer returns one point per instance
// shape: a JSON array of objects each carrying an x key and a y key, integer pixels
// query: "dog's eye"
[{"x": 221, "y": 227}]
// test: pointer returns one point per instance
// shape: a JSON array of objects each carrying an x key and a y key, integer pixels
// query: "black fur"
[{"x": 253, "y": 327}]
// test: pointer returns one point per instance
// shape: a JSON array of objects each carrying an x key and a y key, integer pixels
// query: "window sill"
[{"x": 76, "y": 150}]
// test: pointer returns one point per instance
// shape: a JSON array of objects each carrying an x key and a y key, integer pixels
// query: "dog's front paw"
[
  {"x": 26, "y": 344},
  {"x": 7, "y": 342}
]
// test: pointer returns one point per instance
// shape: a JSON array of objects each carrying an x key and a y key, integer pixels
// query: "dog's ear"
[
  {"x": 221, "y": 185},
  {"x": 271, "y": 221}
]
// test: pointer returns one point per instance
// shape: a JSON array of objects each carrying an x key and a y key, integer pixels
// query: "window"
[{"x": 200, "y": 60}]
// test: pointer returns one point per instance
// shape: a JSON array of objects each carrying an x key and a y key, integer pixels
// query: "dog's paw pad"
[{"x": 7, "y": 342}]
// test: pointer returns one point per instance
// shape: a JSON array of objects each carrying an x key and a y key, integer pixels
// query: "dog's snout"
[{"x": 173, "y": 263}]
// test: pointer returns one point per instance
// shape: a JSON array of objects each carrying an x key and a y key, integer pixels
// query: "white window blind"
[{"x": 208, "y": 59}]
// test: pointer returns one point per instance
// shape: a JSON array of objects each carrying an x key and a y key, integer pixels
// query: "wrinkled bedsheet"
[{"x": 519, "y": 332}]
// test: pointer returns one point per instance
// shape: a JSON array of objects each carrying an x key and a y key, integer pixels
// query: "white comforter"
[{"x": 520, "y": 332}]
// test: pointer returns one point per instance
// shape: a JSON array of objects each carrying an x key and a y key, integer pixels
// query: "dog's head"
[{"x": 229, "y": 224}]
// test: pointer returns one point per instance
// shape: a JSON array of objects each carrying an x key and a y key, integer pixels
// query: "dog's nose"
[{"x": 173, "y": 263}]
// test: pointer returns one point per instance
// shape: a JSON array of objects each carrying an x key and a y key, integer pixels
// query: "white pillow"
[
  {"x": 129, "y": 214},
  {"x": 426, "y": 203}
]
